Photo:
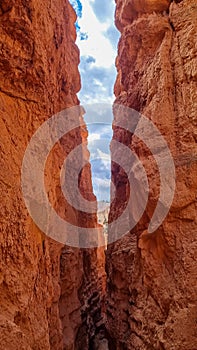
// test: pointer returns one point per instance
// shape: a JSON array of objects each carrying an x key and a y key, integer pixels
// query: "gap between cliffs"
[
  {"x": 140, "y": 292},
  {"x": 145, "y": 66}
]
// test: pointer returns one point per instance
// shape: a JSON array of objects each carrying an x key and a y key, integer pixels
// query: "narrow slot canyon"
[{"x": 121, "y": 273}]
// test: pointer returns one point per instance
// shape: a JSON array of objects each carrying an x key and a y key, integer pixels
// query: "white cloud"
[
  {"x": 102, "y": 188},
  {"x": 102, "y": 155},
  {"x": 97, "y": 45},
  {"x": 105, "y": 159},
  {"x": 98, "y": 50},
  {"x": 102, "y": 182},
  {"x": 93, "y": 137}
]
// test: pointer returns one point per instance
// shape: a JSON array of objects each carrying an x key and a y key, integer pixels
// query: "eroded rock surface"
[
  {"x": 43, "y": 285},
  {"x": 151, "y": 300}
]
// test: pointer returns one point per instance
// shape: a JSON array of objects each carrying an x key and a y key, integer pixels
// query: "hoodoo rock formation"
[
  {"x": 46, "y": 289},
  {"x": 151, "y": 289}
]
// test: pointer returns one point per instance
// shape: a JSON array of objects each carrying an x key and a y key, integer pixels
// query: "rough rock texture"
[
  {"x": 151, "y": 289},
  {"x": 43, "y": 285},
  {"x": 102, "y": 215}
]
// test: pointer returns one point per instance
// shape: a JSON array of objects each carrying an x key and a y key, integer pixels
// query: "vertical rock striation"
[
  {"x": 151, "y": 289},
  {"x": 42, "y": 283}
]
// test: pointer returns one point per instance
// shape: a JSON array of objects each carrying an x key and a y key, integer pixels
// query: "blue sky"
[{"x": 97, "y": 40}]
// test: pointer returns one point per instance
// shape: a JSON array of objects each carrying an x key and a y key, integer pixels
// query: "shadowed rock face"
[
  {"x": 44, "y": 287},
  {"x": 151, "y": 291}
]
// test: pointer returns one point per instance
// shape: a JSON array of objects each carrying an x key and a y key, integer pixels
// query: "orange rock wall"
[
  {"x": 42, "y": 283},
  {"x": 151, "y": 296}
]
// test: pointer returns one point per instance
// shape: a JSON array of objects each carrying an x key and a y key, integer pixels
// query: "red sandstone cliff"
[
  {"x": 151, "y": 300},
  {"x": 44, "y": 287},
  {"x": 50, "y": 294}
]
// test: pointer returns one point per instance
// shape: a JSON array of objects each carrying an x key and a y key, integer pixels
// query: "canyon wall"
[
  {"x": 151, "y": 278},
  {"x": 46, "y": 288}
]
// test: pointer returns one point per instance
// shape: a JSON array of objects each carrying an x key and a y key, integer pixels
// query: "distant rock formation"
[{"x": 102, "y": 216}]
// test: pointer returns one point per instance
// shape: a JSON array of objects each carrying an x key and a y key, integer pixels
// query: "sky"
[{"x": 97, "y": 40}]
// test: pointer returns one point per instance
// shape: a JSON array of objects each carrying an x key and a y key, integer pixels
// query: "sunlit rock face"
[
  {"x": 151, "y": 291},
  {"x": 43, "y": 285},
  {"x": 128, "y": 10}
]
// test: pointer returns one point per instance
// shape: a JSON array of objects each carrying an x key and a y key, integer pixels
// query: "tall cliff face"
[
  {"x": 151, "y": 291},
  {"x": 42, "y": 283}
]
